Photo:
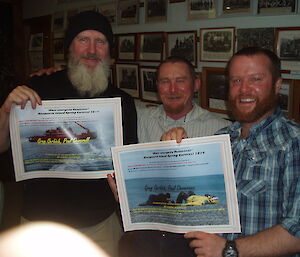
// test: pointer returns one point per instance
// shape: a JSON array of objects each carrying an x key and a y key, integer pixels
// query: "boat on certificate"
[
  {"x": 186, "y": 199},
  {"x": 61, "y": 133}
]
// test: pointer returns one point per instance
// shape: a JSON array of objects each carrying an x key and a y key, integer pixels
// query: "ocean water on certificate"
[
  {"x": 197, "y": 200},
  {"x": 89, "y": 156}
]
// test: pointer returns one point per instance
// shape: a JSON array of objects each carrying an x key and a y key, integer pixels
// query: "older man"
[
  {"x": 266, "y": 159},
  {"x": 85, "y": 204},
  {"x": 176, "y": 83}
]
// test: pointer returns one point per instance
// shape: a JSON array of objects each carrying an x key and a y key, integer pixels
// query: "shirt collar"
[{"x": 259, "y": 126}]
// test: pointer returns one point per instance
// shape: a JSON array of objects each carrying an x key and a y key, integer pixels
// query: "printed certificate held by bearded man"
[
  {"x": 175, "y": 187},
  {"x": 65, "y": 138}
]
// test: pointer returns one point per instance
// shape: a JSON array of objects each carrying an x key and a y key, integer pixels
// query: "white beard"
[{"x": 86, "y": 81}]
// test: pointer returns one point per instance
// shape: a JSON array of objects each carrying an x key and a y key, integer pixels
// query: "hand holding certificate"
[{"x": 178, "y": 187}]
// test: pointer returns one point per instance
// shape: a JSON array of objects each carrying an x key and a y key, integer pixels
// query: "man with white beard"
[{"x": 87, "y": 205}]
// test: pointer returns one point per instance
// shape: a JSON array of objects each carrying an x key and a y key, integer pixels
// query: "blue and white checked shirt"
[{"x": 267, "y": 172}]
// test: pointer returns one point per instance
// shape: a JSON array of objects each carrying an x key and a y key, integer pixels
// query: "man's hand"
[
  {"x": 206, "y": 244},
  {"x": 177, "y": 133},
  {"x": 20, "y": 96},
  {"x": 47, "y": 71},
  {"x": 113, "y": 186}
]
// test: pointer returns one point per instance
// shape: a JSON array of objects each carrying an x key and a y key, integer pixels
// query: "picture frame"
[
  {"x": 36, "y": 61},
  {"x": 149, "y": 91},
  {"x": 260, "y": 37},
  {"x": 214, "y": 90},
  {"x": 285, "y": 97},
  {"x": 287, "y": 47},
  {"x": 201, "y": 9},
  {"x": 126, "y": 46},
  {"x": 109, "y": 11},
  {"x": 276, "y": 7},
  {"x": 150, "y": 46},
  {"x": 156, "y": 10},
  {"x": 36, "y": 42},
  {"x": 128, "y": 12},
  {"x": 183, "y": 44},
  {"x": 58, "y": 48},
  {"x": 58, "y": 22},
  {"x": 217, "y": 44},
  {"x": 127, "y": 78},
  {"x": 230, "y": 7}
]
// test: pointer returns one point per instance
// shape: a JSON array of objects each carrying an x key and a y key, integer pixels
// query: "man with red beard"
[
  {"x": 88, "y": 205},
  {"x": 266, "y": 157}
]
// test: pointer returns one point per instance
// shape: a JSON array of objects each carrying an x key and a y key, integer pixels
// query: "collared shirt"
[
  {"x": 153, "y": 122},
  {"x": 267, "y": 172}
]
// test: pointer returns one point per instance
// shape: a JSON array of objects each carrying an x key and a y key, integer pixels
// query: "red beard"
[{"x": 262, "y": 107}]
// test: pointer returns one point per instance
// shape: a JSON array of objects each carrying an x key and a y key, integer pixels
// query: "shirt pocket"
[
  {"x": 252, "y": 188},
  {"x": 254, "y": 166}
]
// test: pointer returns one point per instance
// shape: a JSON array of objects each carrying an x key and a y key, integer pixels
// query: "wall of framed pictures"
[{"x": 207, "y": 32}]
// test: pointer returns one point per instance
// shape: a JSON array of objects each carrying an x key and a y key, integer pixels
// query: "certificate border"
[
  {"x": 232, "y": 203},
  {"x": 20, "y": 173}
]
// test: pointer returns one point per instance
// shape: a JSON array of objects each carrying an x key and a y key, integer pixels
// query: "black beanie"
[{"x": 88, "y": 20}]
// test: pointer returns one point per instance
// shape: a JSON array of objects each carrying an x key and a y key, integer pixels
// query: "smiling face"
[
  {"x": 252, "y": 92},
  {"x": 176, "y": 87},
  {"x": 90, "y": 48}
]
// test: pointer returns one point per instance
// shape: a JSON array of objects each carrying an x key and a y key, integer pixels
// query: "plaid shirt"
[{"x": 267, "y": 172}]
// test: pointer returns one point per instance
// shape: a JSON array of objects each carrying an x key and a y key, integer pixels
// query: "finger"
[
  {"x": 28, "y": 94},
  {"x": 113, "y": 186},
  {"x": 181, "y": 134},
  {"x": 193, "y": 234}
]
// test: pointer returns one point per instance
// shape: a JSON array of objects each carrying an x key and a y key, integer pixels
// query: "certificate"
[
  {"x": 178, "y": 187},
  {"x": 65, "y": 138}
]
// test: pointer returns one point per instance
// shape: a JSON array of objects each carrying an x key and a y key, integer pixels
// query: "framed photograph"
[
  {"x": 276, "y": 7},
  {"x": 287, "y": 47},
  {"x": 201, "y": 9},
  {"x": 126, "y": 46},
  {"x": 156, "y": 10},
  {"x": 214, "y": 90},
  {"x": 216, "y": 44},
  {"x": 109, "y": 11},
  {"x": 150, "y": 46},
  {"x": 128, "y": 78},
  {"x": 36, "y": 42},
  {"x": 58, "y": 49},
  {"x": 285, "y": 97},
  {"x": 233, "y": 6},
  {"x": 148, "y": 84},
  {"x": 128, "y": 12},
  {"x": 36, "y": 60},
  {"x": 261, "y": 37},
  {"x": 58, "y": 22},
  {"x": 183, "y": 44}
]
